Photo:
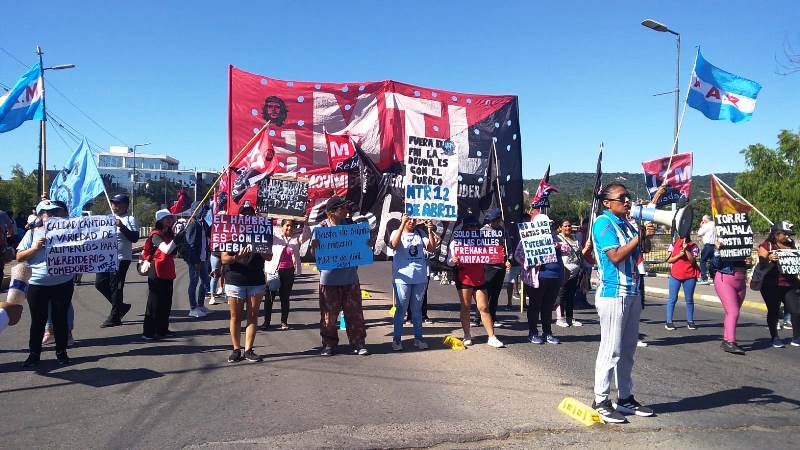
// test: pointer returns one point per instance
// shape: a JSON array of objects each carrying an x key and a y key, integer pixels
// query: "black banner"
[
  {"x": 735, "y": 234},
  {"x": 283, "y": 197}
]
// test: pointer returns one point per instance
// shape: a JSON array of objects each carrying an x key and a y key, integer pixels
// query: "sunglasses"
[{"x": 622, "y": 198}]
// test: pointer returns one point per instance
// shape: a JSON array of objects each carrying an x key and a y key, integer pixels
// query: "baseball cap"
[
  {"x": 162, "y": 213},
  {"x": 492, "y": 214},
  {"x": 783, "y": 227},
  {"x": 335, "y": 202},
  {"x": 48, "y": 205},
  {"x": 120, "y": 198}
]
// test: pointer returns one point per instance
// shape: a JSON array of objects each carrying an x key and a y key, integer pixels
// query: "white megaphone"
[{"x": 680, "y": 221}]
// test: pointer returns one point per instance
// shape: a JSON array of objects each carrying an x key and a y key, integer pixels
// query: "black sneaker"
[
  {"x": 62, "y": 358},
  {"x": 111, "y": 323},
  {"x": 326, "y": 351},
  {"x": 691, "y": 326},
  {"x": 251, "y": 356},
  {"x": 124, "y": 310},
  {"x": 31, "y": 361},
  {"x": 631, "y": 406},
  {"x": 731, "y": 347},
  {"x": 669, "y": 326},
  {"x": 236, "y": 356},
  {"x": 608, "y": 413},
  {"x": 148, "y": 337}
]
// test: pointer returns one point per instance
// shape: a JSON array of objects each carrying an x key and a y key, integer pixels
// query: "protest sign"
[
  {"x": 343, "y": 246},
  {"x": 232, "y": 233},
  {"x": 735, "y": 234},
  {"x": 86, "y": 244},
  {"x": 788, "y": 261},
  {"x": 679, "y": 179},
  {"x": 283, "y": 197},
  {"x": 484, "y": 246},
  {"x": 537, "y": 241},
  {"x": 431, "y": 178}
]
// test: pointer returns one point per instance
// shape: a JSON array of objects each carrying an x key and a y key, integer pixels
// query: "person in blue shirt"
[
  {"x": 618, "y": 304},
  {"x": 45, "y": 291}
]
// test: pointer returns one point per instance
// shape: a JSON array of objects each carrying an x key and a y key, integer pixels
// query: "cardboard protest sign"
[
  {"x": 232, "y": 233},
  {"x": 484, "y": 246},
  {"x": 537, "y": 241},
  {"x": 86, "y": 244},
  {"x": 788, "y": 261},
  {"x": 679, "y": 178},
  {"x": 283, "y": 197},
  {"x": 736, "y": 235},
  {"x": 343, "y": 246},
  {"x": 431, "y": 178}
]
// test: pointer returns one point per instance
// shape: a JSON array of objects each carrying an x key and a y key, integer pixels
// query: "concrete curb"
[{"x": 749, "y": 304}]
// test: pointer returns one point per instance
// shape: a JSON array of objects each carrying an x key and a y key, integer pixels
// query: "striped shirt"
[{"x": 616, "y": 280}]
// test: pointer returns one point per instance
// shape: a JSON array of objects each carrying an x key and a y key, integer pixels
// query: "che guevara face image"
[{"x": 274, "y": 110}]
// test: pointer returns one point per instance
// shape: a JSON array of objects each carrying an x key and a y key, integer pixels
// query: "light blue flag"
[
  {"x": 79, "y": 182},
  {"x": 721, "y": 95},
  {"x": 23, "y": 102}
]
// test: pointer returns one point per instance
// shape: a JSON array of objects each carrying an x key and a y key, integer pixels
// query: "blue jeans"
[
  {"x": 706, "y": 254},
  {"x": 406, "y": 294},
  {"x": 70, "y": 317},
  {"x": 216, "y": 264},
  {"x": 198, "y": 294},
  {"x": 688, "y": 293}
]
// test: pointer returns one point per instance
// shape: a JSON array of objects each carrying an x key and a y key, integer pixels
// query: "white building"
[{"x": 122, "y": 164}]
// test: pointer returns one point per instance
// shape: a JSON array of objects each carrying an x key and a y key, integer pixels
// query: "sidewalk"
[{"x": 657, "y": 287}]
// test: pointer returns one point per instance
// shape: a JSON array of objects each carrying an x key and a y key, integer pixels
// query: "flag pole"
[
  {"x": 680, "y": 122},
  {"x": 743, "y": 199},
  {"x": 42, "y": 130},
  {"x": 509, "y": 252},
  {"x": 226, "y": 171}
]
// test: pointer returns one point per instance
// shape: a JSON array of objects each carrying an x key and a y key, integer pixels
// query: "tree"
[
  {"x": 772, "y": 181},
  {"x": 19, "y": 193}
]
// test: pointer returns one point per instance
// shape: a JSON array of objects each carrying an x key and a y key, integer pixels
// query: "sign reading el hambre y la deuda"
[
  {"x": 431, "y": 178},
  {"x": 232, "y": 233},
  {"x": 536, "y": 239},
  {"x": 343, "y": 246},
  {"x": 735, "y": 235},
  {"x": 86, "y": 244},
  {"x": 484, "y": 246}
]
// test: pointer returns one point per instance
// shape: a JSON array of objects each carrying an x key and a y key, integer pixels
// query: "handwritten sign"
[
  {"x": 537, "y": 241},
  {"x": 788, "y": 261},
  {"x": 484, "y": 246},
  {"x": 283, "y": 197},
  {"x": 431, "y": 178},
  {"x": 343, "y": 246},
  {"x": 735, "y": 234},
  {"x": 86, "y": 244},
  {"x": 232, "y": 233}
]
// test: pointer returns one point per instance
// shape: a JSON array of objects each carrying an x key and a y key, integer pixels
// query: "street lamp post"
[
  {"x": 133, "y": 183},
  {"x": 660, "y": 27}
]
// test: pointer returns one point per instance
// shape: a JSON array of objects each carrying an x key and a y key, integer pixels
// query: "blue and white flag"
[
  {"x": 25, "y": 101},
  {"x": 79, "y": 182},
  {"x": 721, "y": 95}
]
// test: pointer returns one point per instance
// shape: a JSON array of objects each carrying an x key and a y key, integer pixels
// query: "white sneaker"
[
  {"x": 213, "y": 301},
  {"x": 562, "y": 323},
  {"x": 220, "y": 291},
  {"x": 397, "y": 346},
  {"x": 575, "y": 323},
  {"x": 641, "y": 343},
  {"x": 494, "y": 342},
  {"x": 467, "y": 341},
  {"x": 48, "y": 337},
  {"x": 420, "y": 344},
  {"x": 498, "y": 324},
  {"x": 194, "y": 312}
]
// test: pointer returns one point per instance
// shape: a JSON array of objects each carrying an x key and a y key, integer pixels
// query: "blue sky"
[{"x": 585, "y": 72}]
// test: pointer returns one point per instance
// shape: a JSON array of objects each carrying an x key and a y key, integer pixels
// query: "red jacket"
[{"x": 163, "y": 263}]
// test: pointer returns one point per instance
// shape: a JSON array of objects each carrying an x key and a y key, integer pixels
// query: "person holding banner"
[
  {"x": 572, "y": 259},
  {"x": 197, "y": 255},
  {"x": 618, "y": 304},
  {"x": 160, "y": 249},
  {"x": 470, "y": 281},
  {"x": 244, "y": 285},
  {"x": 730, "y": 284},
  {"x": 111, "y": 284},
  {"x": 495, "y": 274},
  {"x": 683, "y": 271},
  {"x": 708, "y": 233},
  {"x": 53, "y": 292},
  {"x": 777, "y": 287},
  {"x": 410, "y": 273},
  {"x": 285, "y": 263}
]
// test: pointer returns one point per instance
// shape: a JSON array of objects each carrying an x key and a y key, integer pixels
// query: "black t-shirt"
[{"x": 246, "y": 272}]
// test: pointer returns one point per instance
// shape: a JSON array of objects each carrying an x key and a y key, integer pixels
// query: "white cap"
[{"x": 161, "y": 213}]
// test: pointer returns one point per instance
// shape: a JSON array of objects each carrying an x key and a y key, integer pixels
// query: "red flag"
[
  {"x": 260, "y": 156},
  {"x": 181, "y": 204},
  {"x": 342, "y": 155},
  {"x": 542, "y": 197}
]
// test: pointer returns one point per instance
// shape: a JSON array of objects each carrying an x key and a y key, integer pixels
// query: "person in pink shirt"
[{"x": 285, "y": 248}]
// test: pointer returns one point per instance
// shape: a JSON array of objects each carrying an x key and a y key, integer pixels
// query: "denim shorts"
[
  {"x": 243, "y": 292},
  {"x": 512, "y": 274}
]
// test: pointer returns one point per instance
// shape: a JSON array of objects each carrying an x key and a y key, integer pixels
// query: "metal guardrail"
[{"x": 656, "y": 259}]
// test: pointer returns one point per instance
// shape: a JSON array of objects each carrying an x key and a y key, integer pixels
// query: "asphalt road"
[{"x": 122, "y": 392}]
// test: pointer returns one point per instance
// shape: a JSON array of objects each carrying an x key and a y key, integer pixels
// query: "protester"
[
  {"x": 683, "y": 271},
  {"x": 730, "y": 278},
  {"x": 112, "y": 284},
  {"x": 244, "y": 285},
  {"x": 494, "y": 274},
  {"x": 196, "y": 254},
  {"x": 572, "y": 259},
  {"x": 470, "y": 281},
  {"x": 160, "y": 249},
  {"x": 10, "y": 313},
  {"x": 340, "y": 290},
  {"x": 708, "y": 233},
  {"x": 285, "y": 263},
  {"x": 777, "y": 288},
  {"x": 429, "y": 256},
  {"x": 217, "y": 285},
  {"x": 618, "y": 304},
  {"x": 410, "y": 276},
  {"x": 45, "y": 291},
  {"x": 542, "y": 284}
]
